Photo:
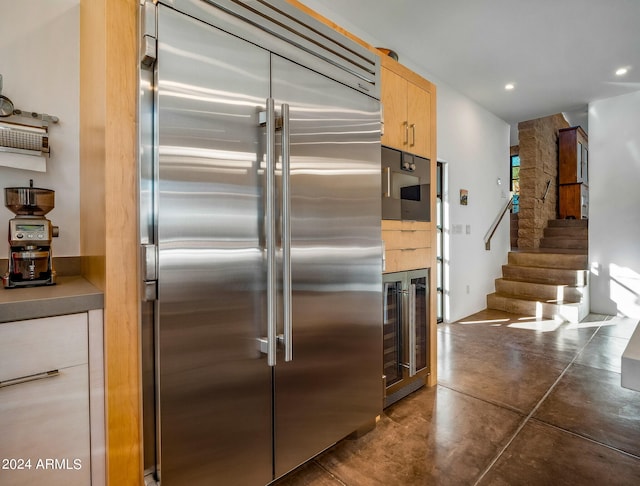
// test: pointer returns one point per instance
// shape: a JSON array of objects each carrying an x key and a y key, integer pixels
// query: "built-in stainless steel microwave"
[{"x": 405, "y": 186}]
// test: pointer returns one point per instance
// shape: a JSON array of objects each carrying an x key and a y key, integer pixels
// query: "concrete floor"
[{"x": 519, "y": 402}]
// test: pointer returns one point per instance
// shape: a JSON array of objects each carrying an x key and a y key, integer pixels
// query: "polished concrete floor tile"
[
  {"x": 622, "y": 327},
  {"x": 434, "y": 436},
  {"x": 310, "y": 474},
  {"x": 590, "y": 402},
  {"x": 547, "y": 338},
  {"x": 509, "y": 376},
  {"x": 544, "y": 455},
  {"x": 603, "y": 352}
]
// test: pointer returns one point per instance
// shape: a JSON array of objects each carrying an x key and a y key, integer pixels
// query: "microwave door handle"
[
  {"x": 387, "y": 172},
  {"x": 286, "y": 234}
]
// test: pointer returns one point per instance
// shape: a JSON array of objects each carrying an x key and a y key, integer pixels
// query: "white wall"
[
  {"x": 40, "y": 64},
  {"x": 475, "y": 145},
  {"x": 614, "y": 205}
]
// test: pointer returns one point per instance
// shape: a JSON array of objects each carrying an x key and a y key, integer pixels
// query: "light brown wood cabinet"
[
  {"x": 407, "y": 114},
  {"x": 407, "y": 245}
]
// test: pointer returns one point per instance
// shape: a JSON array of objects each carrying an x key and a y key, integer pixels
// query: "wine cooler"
[{"x": 406, "y": 337}]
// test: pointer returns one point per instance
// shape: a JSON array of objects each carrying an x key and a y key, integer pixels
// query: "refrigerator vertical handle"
[
  {"x": 286, "y": 234},
  {"x": 412, "y": 329},
  {"x": 270, "y": 227}
]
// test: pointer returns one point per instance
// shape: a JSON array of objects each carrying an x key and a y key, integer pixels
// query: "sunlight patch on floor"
[
  {"x": 541, "y": 326},
  {"x": 484, "y": 321}
]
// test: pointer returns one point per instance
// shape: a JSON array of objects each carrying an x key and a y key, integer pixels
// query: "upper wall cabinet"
[
  {"x": 573, "y": 154},
  {"x": 407, "y": 102}
]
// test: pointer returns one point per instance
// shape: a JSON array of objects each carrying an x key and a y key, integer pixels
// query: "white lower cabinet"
[{"x": 45, "y": 389}]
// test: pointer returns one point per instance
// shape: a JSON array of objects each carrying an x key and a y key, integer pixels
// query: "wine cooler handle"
[
  {"x": 286, "y": 234},
  {"x": 412, "y": 329},
  {"x": 270, "y": 223}
]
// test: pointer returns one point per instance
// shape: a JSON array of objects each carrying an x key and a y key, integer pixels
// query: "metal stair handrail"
[{"x": 496, "y": 223}]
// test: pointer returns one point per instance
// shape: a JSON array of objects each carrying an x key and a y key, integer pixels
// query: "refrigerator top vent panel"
[{"x": 336, "y": 56}]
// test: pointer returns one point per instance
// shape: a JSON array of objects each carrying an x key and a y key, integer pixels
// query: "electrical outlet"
[
  {"x": 468, "y": 289},
  {"x": 468, "y": 229}
]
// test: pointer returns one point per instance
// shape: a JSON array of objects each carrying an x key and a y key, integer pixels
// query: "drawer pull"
[{"x": 28, "y": 378}]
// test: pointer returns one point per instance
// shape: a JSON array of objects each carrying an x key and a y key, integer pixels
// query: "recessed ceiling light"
[
  {"x": 621, "y": 71},
  {"x": 509, "y": 86}
]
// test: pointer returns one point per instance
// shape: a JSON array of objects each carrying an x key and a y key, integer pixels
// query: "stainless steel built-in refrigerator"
[{"x": 260, "y": 232}]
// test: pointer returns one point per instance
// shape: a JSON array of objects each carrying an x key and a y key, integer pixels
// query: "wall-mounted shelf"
[{"x": 21, "y": 138}]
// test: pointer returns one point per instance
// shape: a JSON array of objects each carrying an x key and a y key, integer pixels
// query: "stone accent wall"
[{"x": 538, "y": 150}]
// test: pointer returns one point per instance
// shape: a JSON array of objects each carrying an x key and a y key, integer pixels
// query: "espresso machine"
[{"x": 30, "y": 235}]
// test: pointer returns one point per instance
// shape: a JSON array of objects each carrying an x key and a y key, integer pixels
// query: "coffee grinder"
[{"x": 30, "y": 235}]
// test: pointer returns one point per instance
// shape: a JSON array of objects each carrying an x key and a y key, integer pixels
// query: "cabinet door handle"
[
  {"x": 406, "y": 132},
  {"x": 28, "y": 378},
  {"x": 413, "y": 133}
]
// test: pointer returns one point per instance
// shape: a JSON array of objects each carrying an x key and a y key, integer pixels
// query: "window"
[{"x": 515, "y": 182}]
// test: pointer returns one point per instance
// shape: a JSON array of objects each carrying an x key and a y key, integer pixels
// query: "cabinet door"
[
  {"x": 44, "y": 430},
  {"x": 419, "y": 116},
  {"x": 419, "y": 288},
  {"x": 392, "y": 329},
  {"x": 394, "y": 102}
]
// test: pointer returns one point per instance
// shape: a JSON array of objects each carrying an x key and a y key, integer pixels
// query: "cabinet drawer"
[
  {"x": 39, "y": 345},
  {"x": 47, "y": 419},
  {"x": 408, "y": 239},
  {"x": 400, "y": 260},
  {"x": 392, "y": 224}
]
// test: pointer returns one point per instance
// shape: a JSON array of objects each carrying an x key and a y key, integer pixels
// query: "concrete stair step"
[
  {"x": 573, "y": 312},
  {"x": 544, "y": 292},
  {"x": 573, "y": 232},
  {"x": 564, "y": 242},
  {"x": 544, "y": 275},
  {"x": 568, "y": 260},
  {"x": 573, "y": 223},
  {"x": 550, "y": 282}
]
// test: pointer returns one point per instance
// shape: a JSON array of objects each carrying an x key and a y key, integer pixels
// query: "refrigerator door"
[
  {"x": 215, "y": 389},
  {"x": 333, "y": 385}
]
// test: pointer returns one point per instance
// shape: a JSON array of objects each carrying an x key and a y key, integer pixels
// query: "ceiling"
[{"x": 560, "y": 54}]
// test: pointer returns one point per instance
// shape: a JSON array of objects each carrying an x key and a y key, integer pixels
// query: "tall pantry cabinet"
[
  {"x": 409, "y": 327},
  {"x": 573, "y": 173}
]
